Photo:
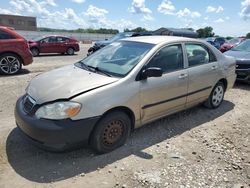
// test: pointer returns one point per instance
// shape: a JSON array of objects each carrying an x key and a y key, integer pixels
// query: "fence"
[{"x": 79, "y": 36}]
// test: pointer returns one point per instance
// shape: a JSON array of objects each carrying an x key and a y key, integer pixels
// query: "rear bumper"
[
  {"x": 56, "y": 135},
  {"x": 231, "y": 80},
  {"x": 27, "y": 58},
  {"x": 243, "y": 75}
]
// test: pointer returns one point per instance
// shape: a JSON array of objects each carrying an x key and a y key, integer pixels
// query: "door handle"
[
  {"x": 182, "y": 76},
  {"x": 214, "y": 67}
]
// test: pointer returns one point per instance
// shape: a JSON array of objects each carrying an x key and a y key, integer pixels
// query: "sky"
[{"x": 227, "y": 17}]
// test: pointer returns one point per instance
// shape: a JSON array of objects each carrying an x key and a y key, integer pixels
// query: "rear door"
[
  {"x": 166, "y": 94},
  {"x": 203, "y": 71},
  {"x": 61, "y": 44}
]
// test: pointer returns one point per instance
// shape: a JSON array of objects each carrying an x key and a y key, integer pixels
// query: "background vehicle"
[
  {"x": 134, "y": 70},
  {"x": 101, "y": 44},
  {"x": 54, "y": 44},
  {"x": 14, "y": 51},
  {"x": 231, "y": 43},
  {"x": 242, "y": 55},
  {"x": 220, "y": 40},
  {"x": 211, "y": 40},
  {"x": 119, "y": 36}
]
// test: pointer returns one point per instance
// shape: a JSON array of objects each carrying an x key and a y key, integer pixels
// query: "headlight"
[{"x": 59, "y": 110}]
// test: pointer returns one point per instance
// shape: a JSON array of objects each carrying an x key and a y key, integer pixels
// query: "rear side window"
[
  {"x": 61, "y": 39},
  {"x": 199, "y": 54},
  {"x": 169, "y": 58},
  {"x": 5, "y": 36}
]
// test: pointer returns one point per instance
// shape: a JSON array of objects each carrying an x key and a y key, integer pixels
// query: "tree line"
[{"x": 202, "y": 32}]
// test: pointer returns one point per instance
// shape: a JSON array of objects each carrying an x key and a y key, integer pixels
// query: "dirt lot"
[{"x": 194, "y": 148}]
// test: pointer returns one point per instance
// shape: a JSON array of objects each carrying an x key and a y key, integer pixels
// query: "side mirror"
[
  {"x": 106, "y": 39},
  {"x": 152, "y": 72}
]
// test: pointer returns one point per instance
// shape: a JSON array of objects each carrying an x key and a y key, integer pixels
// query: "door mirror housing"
[{"x": 151, "y": 72}]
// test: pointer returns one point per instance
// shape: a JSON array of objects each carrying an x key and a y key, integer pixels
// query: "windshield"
[
  {"x": 116, "y": 59},
  {"x": 244, "y": 46},
  {"x": 234, "y": 41},
  {"x": 120, "y": 36}
]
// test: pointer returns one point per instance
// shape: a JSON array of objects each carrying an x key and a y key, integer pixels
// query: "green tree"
[
  {"x": 205, "y": 32},
  {"x": 138, "y": 29},
  {"x": 248, "y": 35},
  {"x": 229, "y": 38}
]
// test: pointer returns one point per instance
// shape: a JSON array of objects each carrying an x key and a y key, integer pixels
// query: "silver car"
[{"x": 99, "y": 100}]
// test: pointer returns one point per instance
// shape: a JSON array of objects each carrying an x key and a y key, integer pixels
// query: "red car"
[
  {"x": 54, "y": 44},
  {"x": 231, "y": 43},
  {"x": 14, "y": 51}
]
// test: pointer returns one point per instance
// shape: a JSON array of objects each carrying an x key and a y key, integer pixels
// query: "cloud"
[
  {"x": 98, "y": 18},
  {"x": 78, "y": 1},
  {"x": 206, "y": 18},
  {"x": 139, "y": 7},
  {"x": 166, "y": 7},
  {"x": 220, "y": 20},
  {"x": 6, "y": 11},
  {"x": 147, "y": 17},
  {"x": 211, "y": 9},
  {"x": 49, "y": 2},
  {"x": 245, "y": 9},
  {"x": 95, "y": 14},
  {"x": 219, "y": 9},
  {"x": 187, "y": 13}
]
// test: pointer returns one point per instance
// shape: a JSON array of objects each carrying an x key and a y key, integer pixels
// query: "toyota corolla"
[{"x": 99, "y": 100}]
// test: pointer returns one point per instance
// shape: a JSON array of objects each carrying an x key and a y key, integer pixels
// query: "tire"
[
  {"x": 110, "y": 132},
  {"x": 216, "y": 96},
  {"x": 10, "y": 64},
  {"x": 35, "y": 52},
  {"x": 70, "y": 51}
]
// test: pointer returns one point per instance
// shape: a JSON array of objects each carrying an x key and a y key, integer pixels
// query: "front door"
[{"x": 164, "y": 95}]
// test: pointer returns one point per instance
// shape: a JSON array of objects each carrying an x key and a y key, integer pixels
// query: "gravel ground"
[{"x": 194, "y": 148}]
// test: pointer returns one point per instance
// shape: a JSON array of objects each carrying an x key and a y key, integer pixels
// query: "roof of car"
[{"x": 158, "y": 39}]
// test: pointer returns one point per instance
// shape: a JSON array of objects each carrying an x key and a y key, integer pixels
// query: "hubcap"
[
  {"x": 217, "y": 95},
  {"x": 34, "y": 52},
  {"x": 112, "y": 132},
  {"x": 9, "y": 64},
  {"x": 70, "y": 51}
]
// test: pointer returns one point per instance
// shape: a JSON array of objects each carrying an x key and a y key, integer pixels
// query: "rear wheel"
[
  {"x": 70, "y": 51},
  {"x": 216, "y": 97},
  {"x": 111, "y": 132},
  {"x": 10, "y": 64},
  {"x": 34, "y": 51}
]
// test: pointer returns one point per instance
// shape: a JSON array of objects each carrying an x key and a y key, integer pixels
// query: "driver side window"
[
  {"x": 169, "y": 58},
  {"x": 46, "y": 40}
]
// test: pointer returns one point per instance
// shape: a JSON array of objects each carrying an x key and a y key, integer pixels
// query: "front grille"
[
  {"x": 28, "y": 104},
  {"x": 242, "y": 66}
]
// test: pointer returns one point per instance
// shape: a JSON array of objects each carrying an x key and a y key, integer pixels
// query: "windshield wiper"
[{"x": 97, "y": 69}]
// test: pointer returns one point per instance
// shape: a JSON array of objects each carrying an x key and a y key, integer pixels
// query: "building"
[
  {"x": 26, "y": 23},
  {"x": 176, "y": 32}
]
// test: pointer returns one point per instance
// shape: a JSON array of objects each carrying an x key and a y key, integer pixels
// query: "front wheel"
[
  {"x": 216, "y": 97},
  {"x": 10, "y": 64},
  {"x": 111, "y": 132},
  {"x": 70, "y": 51},
  {"x": 35, "y": 52}
]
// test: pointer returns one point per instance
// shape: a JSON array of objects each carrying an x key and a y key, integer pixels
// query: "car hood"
[
  {"x": 238, "y": 54},
  {"x": 64, "y": 83}
]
